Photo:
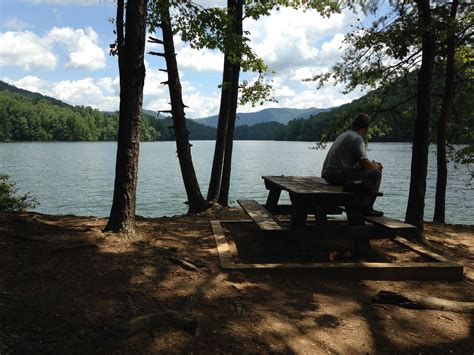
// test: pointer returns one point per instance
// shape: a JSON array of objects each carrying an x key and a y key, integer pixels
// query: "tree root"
[{"x": 412, "y": 301}]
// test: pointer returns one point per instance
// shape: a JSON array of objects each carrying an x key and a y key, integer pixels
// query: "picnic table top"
[{"x": 305, "y": 185}]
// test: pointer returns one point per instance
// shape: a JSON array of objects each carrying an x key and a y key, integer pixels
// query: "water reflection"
[{"x": 77, "y": 178}]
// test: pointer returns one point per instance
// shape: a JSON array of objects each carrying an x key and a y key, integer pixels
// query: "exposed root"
[{"x": 413, "y": 301}]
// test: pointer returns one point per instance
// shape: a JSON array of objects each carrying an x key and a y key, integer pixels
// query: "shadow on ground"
[{"x": 67, "y": 287}]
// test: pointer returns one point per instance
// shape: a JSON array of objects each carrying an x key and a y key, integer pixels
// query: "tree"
[
  {"x": 236, "y": 12},
  {"x": 419, "y": 161},
  {"x": 234, "y": 47},
  {"x": 196, "y": 202},
  {"x": 237, "y": 55},
  {"x": 396, "y": 45},
  {"x": 446, "y": 109},
  {"x": 130, "y": 48}
]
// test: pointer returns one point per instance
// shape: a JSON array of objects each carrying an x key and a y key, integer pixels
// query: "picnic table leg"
[
  {"x": 300, "y": 211},
  {"x": 356, "y": 217},
  {"x": 272, "y": 199},
  {"x": 321, "y": 216}
]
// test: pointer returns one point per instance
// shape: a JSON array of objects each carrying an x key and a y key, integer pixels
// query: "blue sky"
[{"x": 60, "y": 48}]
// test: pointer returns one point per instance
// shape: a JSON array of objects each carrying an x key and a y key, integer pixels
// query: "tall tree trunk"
[
  {"x": 229, "y": 142},
  {"x": 442, "y": 168},
  {"x": 223, "y": 121},
  {"x": 196, "y": 202},
  {"x": 236, "y": 10},
  {"x": 419, "y": 164},
  {"x": 131, "y": 50},
  {"x": 221, "y": 133}
]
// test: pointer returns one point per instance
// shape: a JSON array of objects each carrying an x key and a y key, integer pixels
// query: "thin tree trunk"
[
  {"x": 442, "y": 168},
  {"x": 229, "y": 142},
  {"x": 419, "y": 164},
  {"x": 131, "y": 50},
  {"x": 236, "y": 10},
  {"x": 196, "y": 202},
  {"x": 222, "y": 123},
  {"x": 221, "y": 133}
]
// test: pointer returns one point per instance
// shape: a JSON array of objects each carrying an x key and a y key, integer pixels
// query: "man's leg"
[{"x": 374, "y": 177}]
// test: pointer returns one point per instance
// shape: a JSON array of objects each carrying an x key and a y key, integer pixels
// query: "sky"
[{"x": 60, "y": 48}]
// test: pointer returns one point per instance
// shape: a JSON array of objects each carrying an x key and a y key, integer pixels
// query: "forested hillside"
[{"x": 27, "y": 116}]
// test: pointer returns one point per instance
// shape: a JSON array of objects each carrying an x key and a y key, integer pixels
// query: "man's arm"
[{"x": 370, "y": 164}]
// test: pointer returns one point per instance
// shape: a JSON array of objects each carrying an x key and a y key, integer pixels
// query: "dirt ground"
[{"x": 66, "y": 287}]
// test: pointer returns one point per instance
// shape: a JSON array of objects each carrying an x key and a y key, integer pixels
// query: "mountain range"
[{"x": 280, "y": 115}]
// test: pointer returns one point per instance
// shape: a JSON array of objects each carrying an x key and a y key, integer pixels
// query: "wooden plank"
[
  {"x": 225, "y": 255},
  {"x": 347, "y": 271},
  {"x": 306, "y": 185},
  {"x": 364, "y": 271},
  {"x": 419, "y": 250},
  {"x": 390, "y": 223},
  {"x": 261, "y": 216}
]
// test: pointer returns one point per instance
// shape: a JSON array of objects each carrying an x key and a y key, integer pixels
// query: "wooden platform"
[
  {"x": 390, "y": 223},
  {"x": 261, "y": 216},
  {"x": 439, "y": 269}
]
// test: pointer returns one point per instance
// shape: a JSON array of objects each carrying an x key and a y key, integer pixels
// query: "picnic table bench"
[{"x": 312, "y": 195}]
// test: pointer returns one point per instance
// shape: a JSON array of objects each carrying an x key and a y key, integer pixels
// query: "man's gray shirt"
[{"x": 345, "y": 152}]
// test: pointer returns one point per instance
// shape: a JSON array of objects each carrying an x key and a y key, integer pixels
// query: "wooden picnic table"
[{"x": 313, "y": 195}]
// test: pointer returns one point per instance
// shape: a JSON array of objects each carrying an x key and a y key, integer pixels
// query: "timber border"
[{"x": 439, "y": 269}]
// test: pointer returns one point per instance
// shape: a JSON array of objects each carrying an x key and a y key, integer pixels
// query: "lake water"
[{"x": 77, "y": 178}]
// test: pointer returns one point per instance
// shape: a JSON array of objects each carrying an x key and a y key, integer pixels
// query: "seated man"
[{"x": 347, "y": 160}]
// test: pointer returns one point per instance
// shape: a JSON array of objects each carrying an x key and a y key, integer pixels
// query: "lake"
[{"x": 77, "y": 177}]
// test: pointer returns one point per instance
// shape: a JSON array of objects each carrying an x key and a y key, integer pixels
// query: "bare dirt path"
[{"x": 67, "y": 287}]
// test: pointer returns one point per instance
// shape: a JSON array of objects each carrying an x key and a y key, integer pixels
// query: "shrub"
[{"x": 10, "y": 202}]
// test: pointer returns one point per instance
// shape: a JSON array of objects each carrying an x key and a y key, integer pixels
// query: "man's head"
[{"x": 361, "y": 123}]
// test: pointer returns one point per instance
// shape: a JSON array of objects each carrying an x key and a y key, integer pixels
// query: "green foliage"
[
  {"x": 212, "y": 28},
  {"x": 380, "y": 54},
  {"x": 463, "y": 156},
  {"x": 24, "y": 117},
  {"x": 10, "y": 202},
  {"x": 257, "y": 92}
]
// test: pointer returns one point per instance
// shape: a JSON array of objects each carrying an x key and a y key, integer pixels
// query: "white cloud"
[
  {"x": 31, "y": 83},
  {"x": 157, "y": 98},
  {"x": 203, "y": 60},
  {"x": 332, "y": 50},
  {"x": 200, "y": 105},
  {"x": 82, "y": 45},
  {"x": 14, "y": 24},
  {"x": 200, "y": 60},
  {"x": 27, "y": 50},
  {"x": 109, "y": 85},
  {"x": 288, "y": 38},
  {"x": 87, "y": 92}
]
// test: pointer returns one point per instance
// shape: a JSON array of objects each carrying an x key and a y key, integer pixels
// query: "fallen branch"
[
  {"x": 412, "y": 301},
  {"x": 184, "y": 264}
]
